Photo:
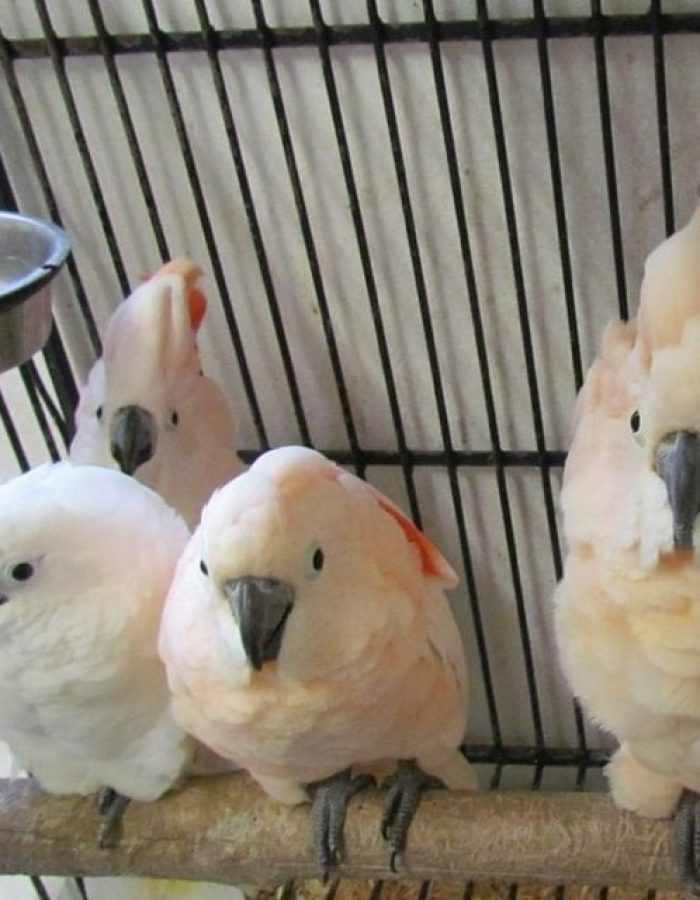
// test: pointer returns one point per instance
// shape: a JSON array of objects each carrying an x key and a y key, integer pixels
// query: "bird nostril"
[
  {"x": 3, "y": 599},
  {"x": 144, "y": 454}
]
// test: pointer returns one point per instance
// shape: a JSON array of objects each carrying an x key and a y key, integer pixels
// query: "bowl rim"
[{"x": 39, "y": 276}]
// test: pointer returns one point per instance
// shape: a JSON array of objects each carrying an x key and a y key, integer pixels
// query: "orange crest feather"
[
  {"x": 196, "y": 301},
  {"x": 197, "y": 304},
  {"x": 432, "y": 561}
]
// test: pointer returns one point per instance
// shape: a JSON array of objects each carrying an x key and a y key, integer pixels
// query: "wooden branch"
[{"x": 225, "y": 829}]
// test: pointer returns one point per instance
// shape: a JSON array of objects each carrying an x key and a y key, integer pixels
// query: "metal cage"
[{"x": 605, "y": 152}]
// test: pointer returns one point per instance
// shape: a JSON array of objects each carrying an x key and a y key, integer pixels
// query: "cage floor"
[{"x": 432, "y": 890}]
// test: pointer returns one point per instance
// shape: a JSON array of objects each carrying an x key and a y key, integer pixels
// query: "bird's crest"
[
  {"x": 157, "y": 324},
  {"x": 670, "y": 293},
  {"x": 433, "y": 562},
  {"x": 196, "y": 301}
]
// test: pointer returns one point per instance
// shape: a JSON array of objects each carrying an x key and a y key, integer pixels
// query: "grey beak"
[
  {"x": 133, "y": 437},
  {"x": 678, "y": 464},
  {"x": 261, "y": 607}
]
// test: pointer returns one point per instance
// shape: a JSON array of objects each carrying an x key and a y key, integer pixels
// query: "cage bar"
[
  {"x": 107, "y": 53},
  {"x": 204, "y": 219},
  {"x": 609, "y": 155},
  {"x": 458, "y": 30},
  {"x": 662, "y": 114},
  {"x": 58, "y": 62},
  {"x": 212, "y": 45},
  {"x": 307, "y": 233}
]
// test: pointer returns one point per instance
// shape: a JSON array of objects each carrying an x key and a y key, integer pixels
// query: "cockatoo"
[
  {"x": 87, "y": 555},
  {"x": 147, "y": 408},
  {"x": 628, "y": 608},
  {"x": 307, "y": 636}
]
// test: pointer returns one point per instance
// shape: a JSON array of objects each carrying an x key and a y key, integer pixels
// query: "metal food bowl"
[{"x": 31, "y": 253}]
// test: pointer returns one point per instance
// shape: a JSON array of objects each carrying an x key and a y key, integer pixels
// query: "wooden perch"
[{"x": 225, "y": 829}]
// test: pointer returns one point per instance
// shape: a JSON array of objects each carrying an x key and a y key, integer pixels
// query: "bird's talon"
[
  {"x": 105, "y": 798},
  {"x": 111, "y": 805},
  {"x": 405, "y": 788},
  {"x": 330, "y": 800}
]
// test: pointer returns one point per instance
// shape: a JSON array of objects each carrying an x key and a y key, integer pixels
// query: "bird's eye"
[
  {"x": 98, "y": 413},
  {"x": 636, "y": 427},
  {"x": 174, "y": 418},
  {"x": 315, "y": 560},
  {"x": 22, "y": 571},
  {"x": 203, "y": 567}
]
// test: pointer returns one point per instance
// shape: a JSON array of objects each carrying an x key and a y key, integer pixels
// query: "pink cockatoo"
[
  {"x": 628, "y": 607},
  {"x": 87, "y": 555},
  {"x": 147, "y": 408},
  {"x": 307, "y": 634}
]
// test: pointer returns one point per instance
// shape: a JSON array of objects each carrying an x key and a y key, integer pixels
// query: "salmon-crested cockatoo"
[
  {"x": 87, "y": 555},
  {"x": 147, "y": 407},
  {"x": 307, "y": 636},
  {"x": 628, "y": 607}
]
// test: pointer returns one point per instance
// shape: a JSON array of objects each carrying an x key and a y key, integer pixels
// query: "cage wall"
[{"x": 413, "y": 220}]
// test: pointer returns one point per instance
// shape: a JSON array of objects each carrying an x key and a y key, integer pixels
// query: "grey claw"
[
  {"x": 405, "y": 788},
  {"x": 105, "y": 798},
  {"x": 111, "y": 806},
  {"x": 392, "y": 861},
  {"x": 686, "y": 838},
  {"x": 330, "y": 801}
]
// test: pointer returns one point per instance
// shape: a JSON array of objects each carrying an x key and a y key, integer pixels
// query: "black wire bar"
[
  {"x": 609, "y": 156},
  {"x": 617, "y": 25},
  {"x": 211, "y": 38},
  {"x": 107, "y": 52},
  {"x": 27, "y": 376},
  {"x": 528, "y": 351},
  {"x": 567, "y": 276},
  {"x": 662, "y": 113},
  {"x": 45, "y": 185},
  {"x": 305, "y": 227},
  {"x": 481, "y": 349},
  {"x": 433, "y": 360},
  {"x": 204, "y": 219},
  {"x": 543, "y": 34},
  {"x": 39, "y": 888},
  {"x": 365, "y": 258},
  {"x": 47, "y": 401},
  {"x": 58, "y": 62},
  {"x": 54, "y": 351},
  {"x": 13, "y": 436}
]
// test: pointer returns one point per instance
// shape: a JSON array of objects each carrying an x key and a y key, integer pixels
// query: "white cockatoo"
[
  {"x": 147, "y": 407},
  {"x": 87, "y": 555},
  {"x": 628, "y": 607},
  {"x": 307, "y": 636}
]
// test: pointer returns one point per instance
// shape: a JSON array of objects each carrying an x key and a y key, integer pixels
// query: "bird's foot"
[
  {"x": 330, "y": 799},
  {"x": 686, "y": 840},
  {"x": 405, "y": 788},
  {"x": 110, "y": 805}
]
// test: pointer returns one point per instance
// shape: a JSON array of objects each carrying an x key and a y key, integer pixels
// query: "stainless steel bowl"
[{"x": 31, "y": 253}]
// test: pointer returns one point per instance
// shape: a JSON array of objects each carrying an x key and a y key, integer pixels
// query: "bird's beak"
[
  {"x": 261, "y": 607},
  {"x": 678, "y": 464},
  {"x": 133, "y": 437}
]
